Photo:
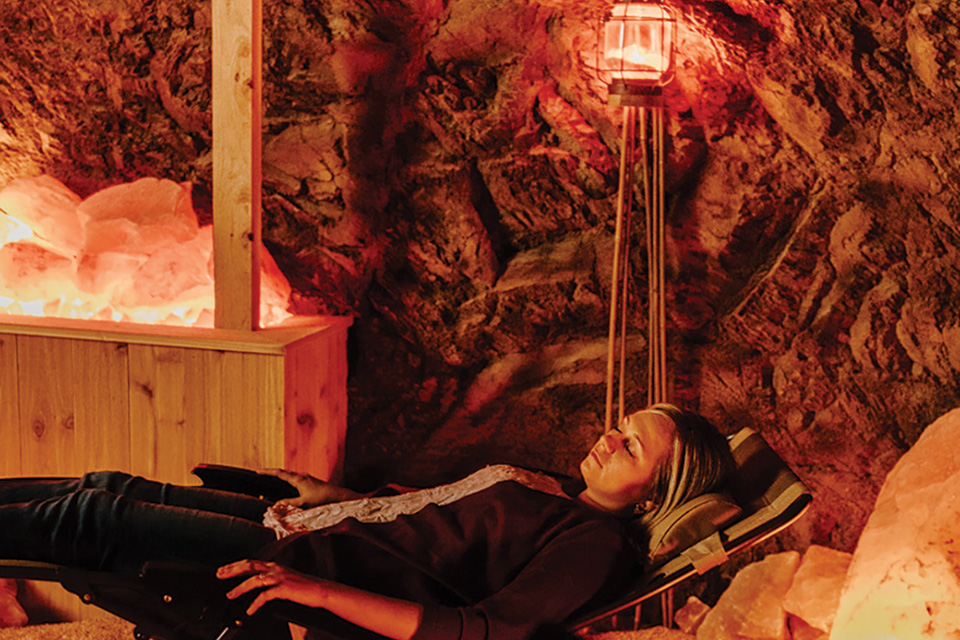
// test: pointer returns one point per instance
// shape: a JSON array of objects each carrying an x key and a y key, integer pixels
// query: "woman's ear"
[{"x": 644, "y": 506}]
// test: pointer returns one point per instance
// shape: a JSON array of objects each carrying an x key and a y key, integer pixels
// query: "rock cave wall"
[{"x": 445, "y": 171}]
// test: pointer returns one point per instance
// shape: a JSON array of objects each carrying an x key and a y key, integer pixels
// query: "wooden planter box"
[{"x": 77, "y": 396}]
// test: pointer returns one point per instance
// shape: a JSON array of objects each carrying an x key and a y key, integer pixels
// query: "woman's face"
[{"x": 620, "y": 469}]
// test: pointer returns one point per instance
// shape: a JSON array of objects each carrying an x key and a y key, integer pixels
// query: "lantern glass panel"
[{"x": 637, "y": 43}]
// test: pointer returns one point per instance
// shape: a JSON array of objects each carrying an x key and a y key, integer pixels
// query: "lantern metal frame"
[{"x": 637, "y": 19}]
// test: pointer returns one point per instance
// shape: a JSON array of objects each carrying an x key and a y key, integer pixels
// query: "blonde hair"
[{"x": 700, "y": 462}]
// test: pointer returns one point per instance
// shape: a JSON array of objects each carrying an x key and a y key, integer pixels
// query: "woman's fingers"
[
  {"x": 300, "y": 482},
  {"x": 263, "y": 598},
  {"x": 283, "y": 474},
  {"x": 263, "y": 576},
  {"x": 274, "y": 582},
  {"x": 291, "y": 502},
  {"x": 242, "y": 567},
  {"x": 248, "y": 585}
]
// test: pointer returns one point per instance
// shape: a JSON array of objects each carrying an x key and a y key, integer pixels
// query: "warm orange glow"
[
  {"x": 637, "y": 44},
  {"x": 128, "y": 253},
  {"x": 13, "y": 230}
]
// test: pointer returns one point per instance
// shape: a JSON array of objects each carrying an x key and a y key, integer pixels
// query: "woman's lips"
[{"x": 596, "y": 457}]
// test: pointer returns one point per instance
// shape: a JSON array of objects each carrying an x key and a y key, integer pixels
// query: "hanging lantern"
[
  {"x": 636, "y": 48},
  {"x": 635, "y": 52}
]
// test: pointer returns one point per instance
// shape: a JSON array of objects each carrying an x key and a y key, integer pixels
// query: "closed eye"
[{"x": 627, "y": 443}]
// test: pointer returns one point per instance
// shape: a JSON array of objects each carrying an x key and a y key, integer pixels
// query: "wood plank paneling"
[
  {"x": 202, "y": 405},
  {"x": 252, "y": 404},
  {"x": 316, "y": 405},
  {"x": 157, "y": 410},
  {"x": 190, "y": 406},
  {"x": 9, "y": 409},
  {"x": 47, "y": 387},
  {"x": 58, "y": 392},
  {"x": 156, "y": 390},
  {"x": 101, "y": 405}
]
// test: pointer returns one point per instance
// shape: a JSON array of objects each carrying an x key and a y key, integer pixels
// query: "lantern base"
[{"x": 623, "y": 94}]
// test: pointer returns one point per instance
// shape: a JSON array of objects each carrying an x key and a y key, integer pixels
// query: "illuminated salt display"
[{"x": 131, "y": 252}]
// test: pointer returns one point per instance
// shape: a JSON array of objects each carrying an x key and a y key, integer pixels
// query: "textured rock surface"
[
  {"x": 446, "y": 172},
  {"x": 904, "y": 582}
]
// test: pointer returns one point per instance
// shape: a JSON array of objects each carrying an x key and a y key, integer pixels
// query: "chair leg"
[{"x": 666, "y": 607}]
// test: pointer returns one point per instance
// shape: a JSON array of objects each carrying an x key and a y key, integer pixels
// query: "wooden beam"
[{"x": 237, "y": 118}]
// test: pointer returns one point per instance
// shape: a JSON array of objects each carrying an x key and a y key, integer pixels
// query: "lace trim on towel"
[{"x": 289, "y": 520}]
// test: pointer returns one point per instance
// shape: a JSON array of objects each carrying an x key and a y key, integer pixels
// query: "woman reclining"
[{"x": 492, "y": 556}]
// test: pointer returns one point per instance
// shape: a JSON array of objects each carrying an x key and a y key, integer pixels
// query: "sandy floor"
[{"x": 90, "y": 630}]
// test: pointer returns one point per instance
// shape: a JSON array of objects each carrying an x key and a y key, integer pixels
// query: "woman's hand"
[
  {"x": 313, "y": 491},
  {"x": 390, "y": 617},
  {"x": 275, "y": 582}
]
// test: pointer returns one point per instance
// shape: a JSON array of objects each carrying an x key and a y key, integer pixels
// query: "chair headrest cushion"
[{"x": 689, "y": 523}]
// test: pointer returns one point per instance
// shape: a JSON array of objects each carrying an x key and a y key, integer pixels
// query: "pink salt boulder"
[
  {"x": 752, "y": 606},
  {"x": 27, "y": 268},
  {"x": 903, "y": 581},
  {"x": 48, "y": 208},
  {"x": 815, "y": 593},
  {"x": 800, "y": 630},
  {"x": 690, "y": 616},
  {"x": 138, "y": 217}
]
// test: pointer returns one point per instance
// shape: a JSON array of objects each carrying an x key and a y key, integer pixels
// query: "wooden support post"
[{"x": 237, "y": 118}]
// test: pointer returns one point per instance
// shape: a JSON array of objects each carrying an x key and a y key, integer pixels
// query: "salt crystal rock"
[
  {"x": 179, "y": 272},
  {"x": 99, "y": 275},
  {"x": 138, "y": 217},
  {"x": 690, "y": 616},
  {"x": 815, "y": 592},
  {"x": 48, "y": 208},
  {"x": 800, "y": 630},
  {"x": 25, "y": 268},
  {"x": 133, "y": 251},
  {"x": 903, "y": 580},
  {"x": 752, "y": 606}
]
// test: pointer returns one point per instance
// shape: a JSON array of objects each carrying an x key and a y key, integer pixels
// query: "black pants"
[{"x": 112, "y": 521}]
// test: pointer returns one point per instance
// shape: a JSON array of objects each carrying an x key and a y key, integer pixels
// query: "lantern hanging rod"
[{"x": 635, "y": 58}]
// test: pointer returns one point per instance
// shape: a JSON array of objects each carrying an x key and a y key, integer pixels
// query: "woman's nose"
[{"x": 610, "y": 440}]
